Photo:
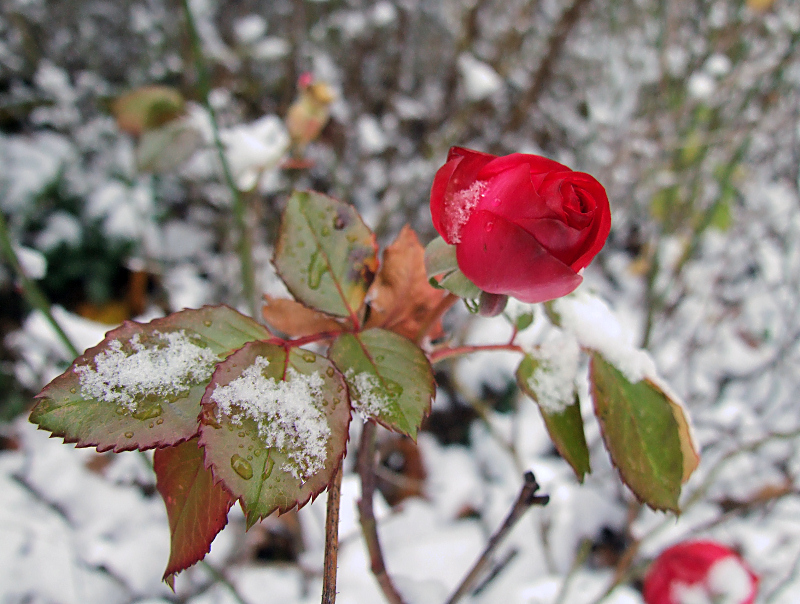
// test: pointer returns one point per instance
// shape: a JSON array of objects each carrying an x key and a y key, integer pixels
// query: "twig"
[
  {"x": 239, "y": 207},
  {"x": 366, "y": 461},
  {"x": 527, "y": 498},
  {"x": 332, "y": 538},
  {"x": 545, "y": 71},
  {"x": 33, "y": 294}
]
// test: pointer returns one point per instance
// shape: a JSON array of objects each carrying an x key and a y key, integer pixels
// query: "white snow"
[
  {"x": 288, "y": 414},
  {"x": 729, "y": 580},
  {"x": 553, "y": 380},
  {"x": 163, "y": 365},
  {"x": 460, "y": 208},
  {"x": 255, "y": 149},
  {"x": 367, "y": 400}
]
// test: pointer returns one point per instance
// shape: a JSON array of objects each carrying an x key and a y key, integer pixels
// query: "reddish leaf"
[
  {"x": 274, "y": 426},
  {"x": 138, "y": 388},
  {"x": 196, "y": 507},
  {"x": 296, "y": 320},
  {"x": 146, "y": 108},
  {"x": 402, "y": 299}
]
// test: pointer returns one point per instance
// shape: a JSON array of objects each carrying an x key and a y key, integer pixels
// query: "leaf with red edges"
[
  {"x": 325, "y": 254},
  {"x": 141, "y": 386},
  {"x": 196, "y": 507},
  {"x": 274, "y": 426},
  {"x": 389, "y": 377}
]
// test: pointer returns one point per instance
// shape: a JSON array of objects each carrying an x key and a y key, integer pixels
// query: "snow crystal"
[
  {"x": 287, "y": 414},
  {"x": 553, "y": 380},
  {"x": 166, "y": 367},
  {"x": 596, "y": 328},
  {"x": 460, "y": 209},
  {"x": 367, "y": 401}
]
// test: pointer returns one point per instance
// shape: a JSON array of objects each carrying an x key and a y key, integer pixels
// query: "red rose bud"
[
  {"x": 523, "y": 225},
  {"x": 700, "y": 572}
]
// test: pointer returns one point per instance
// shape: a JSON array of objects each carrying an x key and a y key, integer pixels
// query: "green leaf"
[
  {"x": 141, "y": 386},
  {"x": 389, "y": 378},
  {"x": 274, "y": 426},
  {"x": 565, "y": 428},
  {"x": 147, "y": 107},
  {"x": 196, "y": 507},
  {"x": 325, "y": 254},
  {"x": 440, "y": 259},
  {"x": 641, "y": 434},
  {"x": 166, "y": 148}
]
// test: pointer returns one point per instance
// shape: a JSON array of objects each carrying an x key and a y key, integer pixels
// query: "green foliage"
[{"x": 565, "y": 428}]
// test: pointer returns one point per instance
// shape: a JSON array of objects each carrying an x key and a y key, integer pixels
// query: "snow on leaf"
[
  {"x": 141, "y": 386},
  {"x": 389, "y": 377},
  {"x": 274, "y": 426},
  {"x": 196, "y": 507},
  {"x": 325, "y": 254},
  {"x": 564, "y": 423}
]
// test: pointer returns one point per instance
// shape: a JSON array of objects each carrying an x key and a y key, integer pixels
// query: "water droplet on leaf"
[
  {"x": 160, "y": 421},
  {"x": 325, "y": 231},
  {"x": 207, "y": 323},
  {"x": 316, "y": 268},
  {"x": 488, "y": 226},
  {"x": 241, "y": 434},
  {"x": 148, "y": 412},
  {"x": 393, "y": 389},
  {"x": 268, "y": 467},
  {"x": 242, "y": 467},
  {"x": 309, "y": 357},
  {"x": 73, "y": 390},
  {"x": 129, "y": 435},
  {"x": 330, "y": 371}
]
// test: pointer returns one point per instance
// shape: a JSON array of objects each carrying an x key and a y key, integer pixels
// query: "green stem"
[
  {"x": 244, "y": 247},
  {"x": 32, "y": 292}
]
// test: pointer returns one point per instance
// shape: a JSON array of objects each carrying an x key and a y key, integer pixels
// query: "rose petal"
[
  {"x": 501, "y": 258},
  {"x": 463, "y": 192},
  {"x": 512, "y": 196},
  {"x": 561, "y": 240},
  {"x": 536, "y": 164},
  {"x": 438, "y": 190},
  {"x": 601, "y": 224}
]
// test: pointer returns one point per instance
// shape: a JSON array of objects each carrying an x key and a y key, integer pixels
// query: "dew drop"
[
  {"x": 241, "y": 446},
  {"x": 120, "y": 410},
  {"x": 336, "y": 400},
  {"x": 393, "y": 389},
  {"x": 241, "y": 466},
  {"x": 241, "y": 434},
  {"x": 150, "y": 425},
  {"x": 73, "y": 390},
  {"x": 309, "y": 357},
  {"x": 380, "y": 358},
  {"x": 488, "y": 226},
  {"x": 316, "y": 268},
  {"x": 129, "y": 435},
  {"x": 329, "y": 371},
  {"x": 207, "y": 323},
  {"x": 257, "y": 452},
  {"x": 249, "y": 458},
  {"x": 339, "y": 223},
  {"x": 159, "y": 421},
  {"x": 148, "y": 412},
  {"x": 325, "y": 231},
  {"x": 268, "y": 467}
]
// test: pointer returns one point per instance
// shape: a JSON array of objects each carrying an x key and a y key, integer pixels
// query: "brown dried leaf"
[
  {"x": 295, "y": 319},
  {"x": 402, "y": 300}
]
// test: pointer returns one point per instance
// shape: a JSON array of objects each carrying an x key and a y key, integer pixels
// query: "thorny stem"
[
  {"x": 332, "y": 538},
  {"x": 366, "y": 461},
  {"x": 446, "y": 353},
  {"x": 527, "y": 497},
  {"x": 239, "y": 206},
  {"x": 33, "y": 294}
]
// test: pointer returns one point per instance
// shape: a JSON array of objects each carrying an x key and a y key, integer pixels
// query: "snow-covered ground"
[{"x": 688, "y": 113}]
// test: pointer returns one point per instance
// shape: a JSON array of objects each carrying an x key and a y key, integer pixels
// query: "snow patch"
[
  {"x": 287, "y": 414},
  {"x": 368, "y": 400},
  {"x": 730, "y": 580},
  {"x": 480, "y": 80},
  {"x": 460, "y": 208},
  {"x": 166, "y": 367},
  {"x": 553, "y": 380}
]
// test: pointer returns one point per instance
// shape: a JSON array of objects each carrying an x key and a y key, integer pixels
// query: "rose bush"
[
  {"x": 699, "y": 572},
  {"x": 523, "y": 225}
]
